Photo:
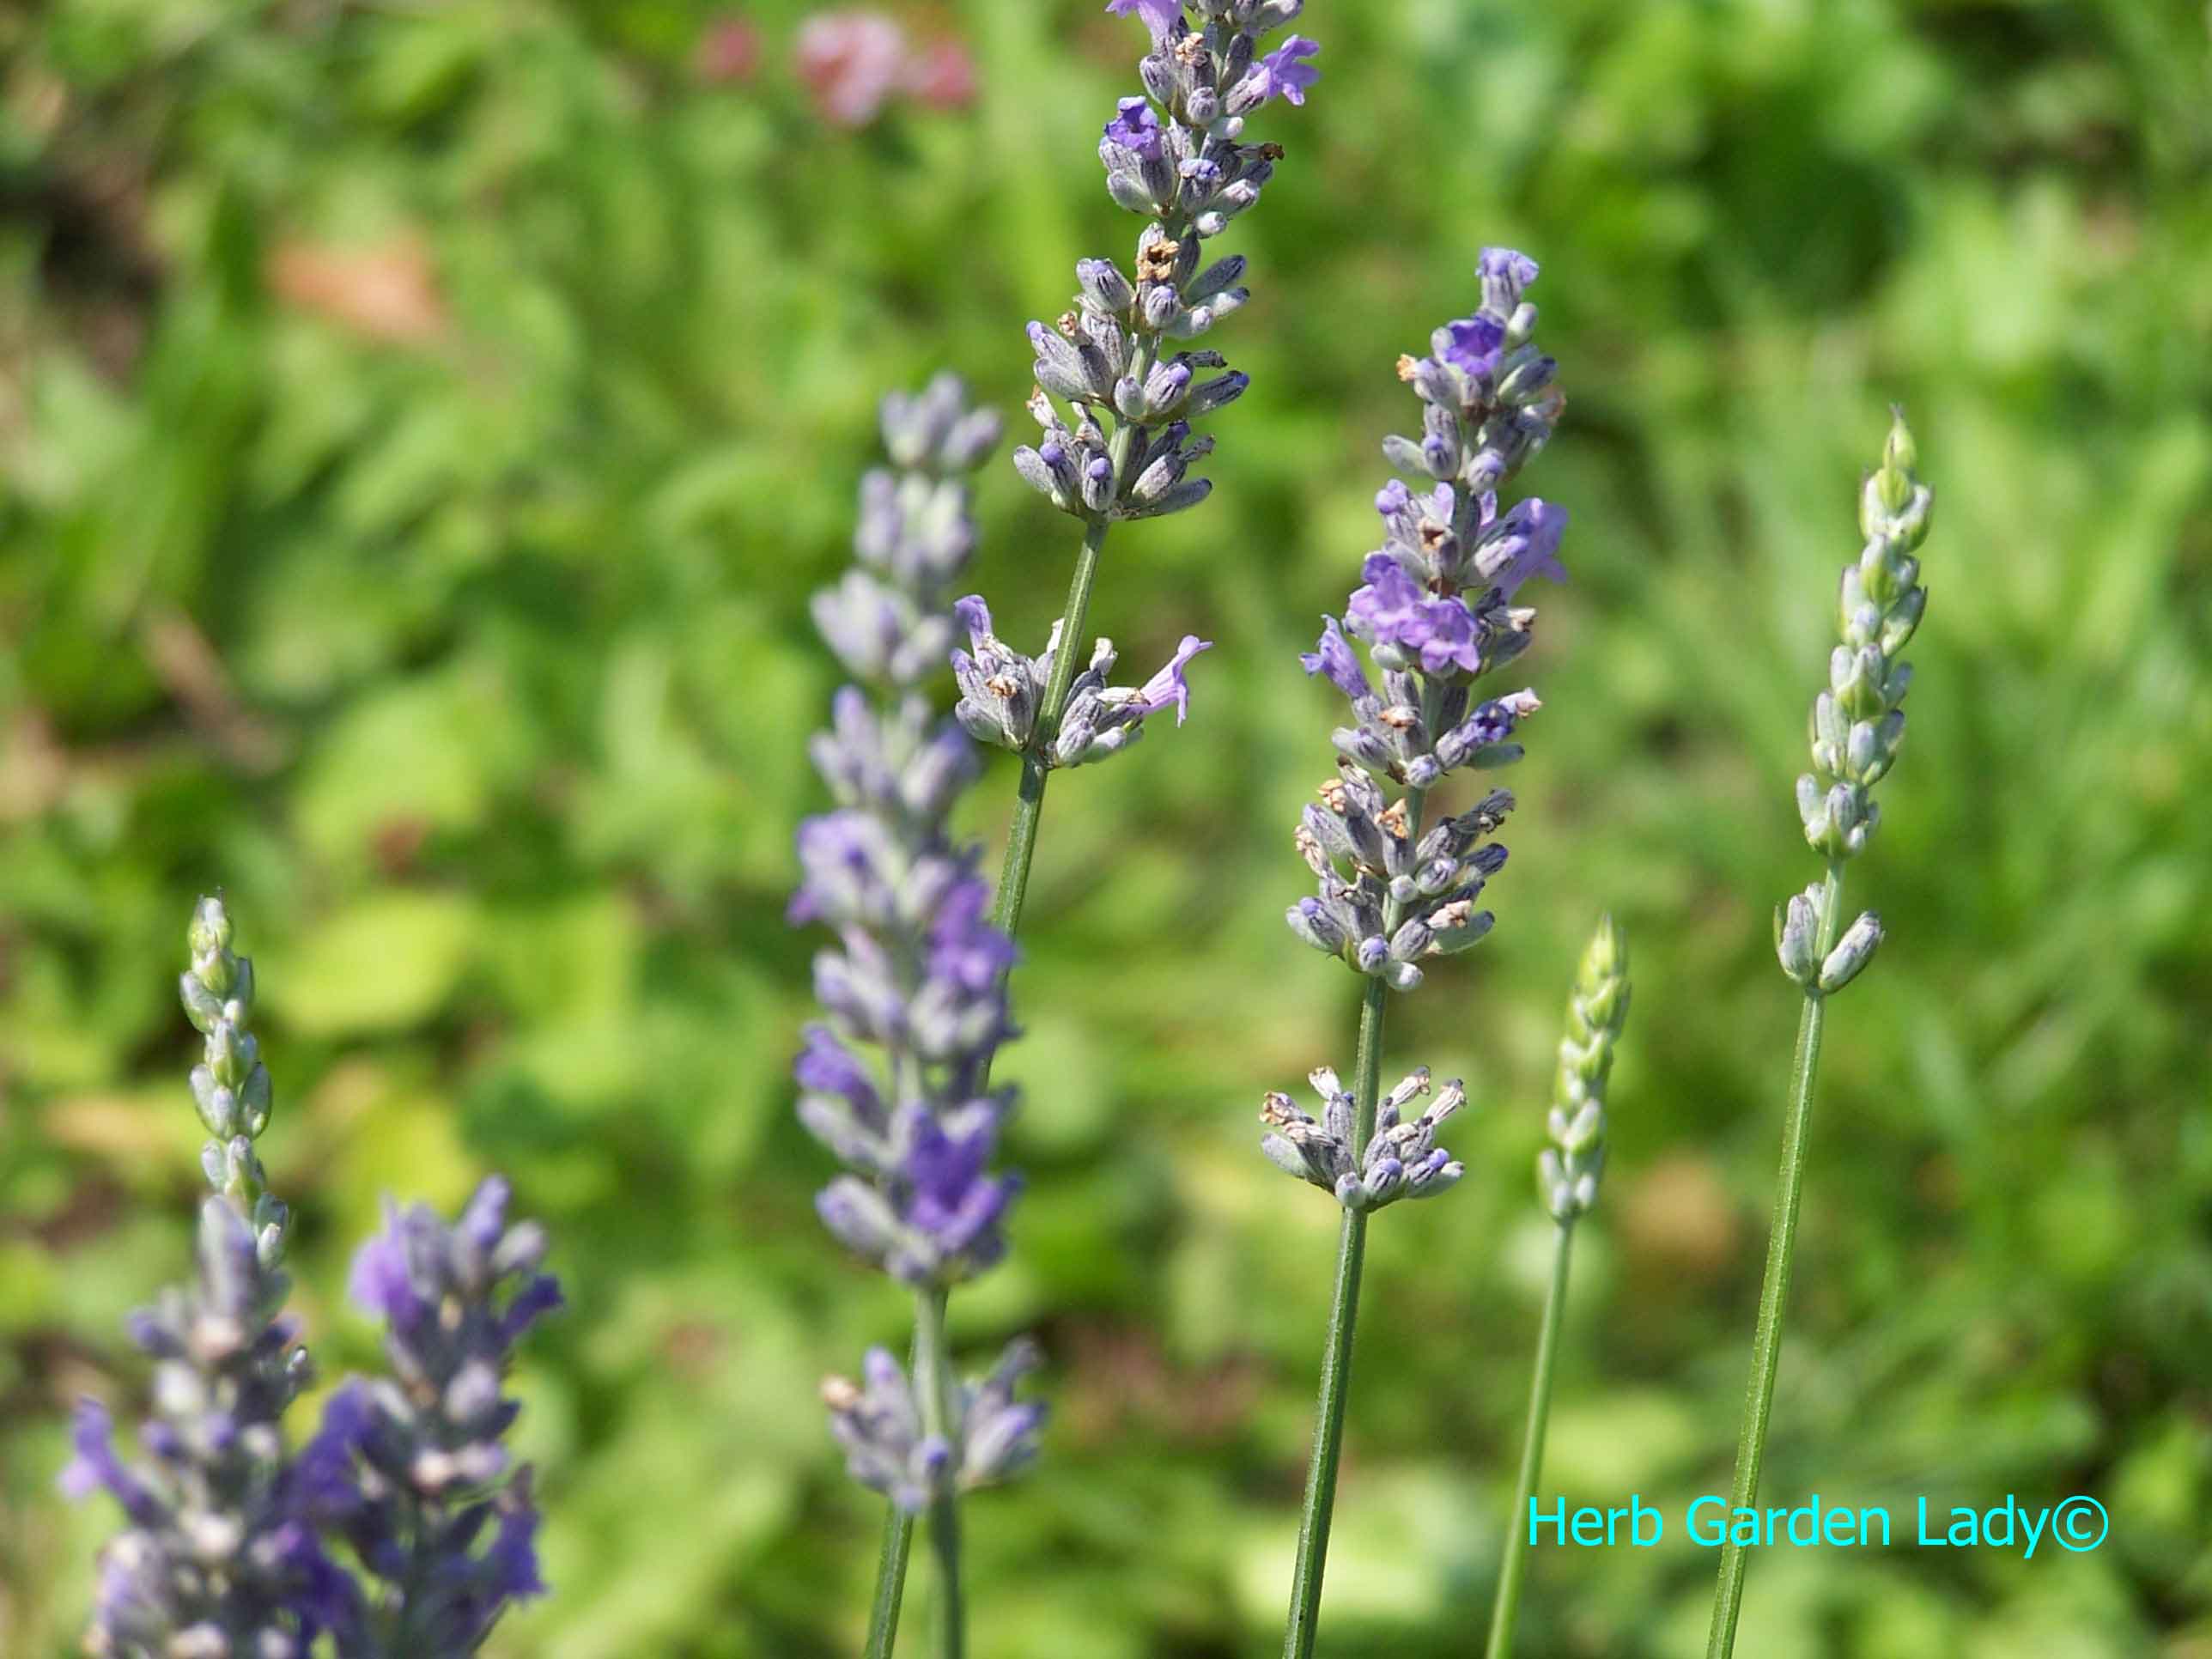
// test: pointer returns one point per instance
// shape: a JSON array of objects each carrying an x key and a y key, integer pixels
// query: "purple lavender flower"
[
  {"x": 1134, "y": 128},
  {"x": 409, "y": 1470},
  {"x": 1505, "y": 273},
  {"x": 1280, "y": 73},
  {"x": 1334, "y": 657},
  {"x": 1472, "y": 344},
  {"x": 1169, "y": 686},
  {"x": 1162, "y": 17}
]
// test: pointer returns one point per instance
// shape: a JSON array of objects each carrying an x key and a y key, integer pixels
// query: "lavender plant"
[
  {"x": 1437, "y": 615},
  {"x": 1176, "y": 155},
  {"x": 225, "y": 1552},
  {"x": 1567, "y": 1176},
  {"x": 917, "y": 974},
  {"x": 1123, "y": 451},
  {"x": 1858, "y": 724}
]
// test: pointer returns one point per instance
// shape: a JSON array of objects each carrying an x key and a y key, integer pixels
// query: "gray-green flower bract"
[
  {"x": 1401, "y": 1159},
  {"x": 1568, "y": 1171}
]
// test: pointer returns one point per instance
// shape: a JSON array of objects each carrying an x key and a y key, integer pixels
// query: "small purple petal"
[
  {"x": 1280, "y": 73},
  {"x": 1472, "y": 343},
  {"x": 1333, "y": 656},
  {"x": 1135, "y": 126},
  {"x": 1167, "y": 686},
  {"x": 1161, "y": 16}
]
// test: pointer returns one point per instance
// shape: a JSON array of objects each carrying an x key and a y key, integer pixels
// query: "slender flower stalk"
[
  {"x": 1858, "y": 724},
  {"x": 1178, "y": 156},
  {"x": 1567, "y": 1176},
  {"x": 895, "y": 1083},
  {"x": 1435, "y": 612}
]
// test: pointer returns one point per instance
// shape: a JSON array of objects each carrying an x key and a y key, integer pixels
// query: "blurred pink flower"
[
  {"x": 942, "y": 75},
  {"x": 728, "y": 52},
  {"x": 852, "y": 61}
]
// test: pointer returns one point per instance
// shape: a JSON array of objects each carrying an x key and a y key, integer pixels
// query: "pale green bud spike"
[
  {"x": 1881, "y": 603},
  {"x": 230, "y": 1086},
  {"x": 1597, "y": 1010}
]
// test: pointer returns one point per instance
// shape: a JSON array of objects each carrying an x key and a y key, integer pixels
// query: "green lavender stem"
[
  {"x": 890, "y": 1583},
  {"x": 1508, "y": 1604},
  {"x": 1029, "y": 804},
  {"x": 933, "y": 1377},
  {"x": 1298, "y": 1637},
  {"x": 1774, "y": 1291}
]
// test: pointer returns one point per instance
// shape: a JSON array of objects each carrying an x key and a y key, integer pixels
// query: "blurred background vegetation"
[{"x": 421, "y": 425}]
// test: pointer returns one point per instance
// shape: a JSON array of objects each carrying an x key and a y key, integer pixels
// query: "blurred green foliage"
[{"x": 420, "y": 427}]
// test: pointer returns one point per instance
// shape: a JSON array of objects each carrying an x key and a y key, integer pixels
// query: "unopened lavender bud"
[
  {"x": 1104, "y": 287},
  {"x": 1131, "y": 192},
  {"x": 1852, "y": 952},
  {"x": 1098, "y": 483},
  {"x": 1059, "y": 368},
  {"x": 1040, "y": 477},
  {"x": 1465, "y": 930},
  {"x": 862, "y": 1220},
  {"x": 1217, "y": 392},
  {"x": 1312, "y": 922},
  {"x": 1411, "y": 940},
  {"x": 1187, "y": 493},
  {"x": 1526, "y": 379},
  {"x": 1796, "y": 930}
]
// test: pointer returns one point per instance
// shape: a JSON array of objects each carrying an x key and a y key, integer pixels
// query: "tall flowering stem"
[
  {"x": 1120, "y": 365},
  {"x": 895, "y": 1081},
  {"x": 1435, "y": 612},
  {"x": 1567, "y": 1175},
  {"x": 1858, "y": 725},
  {"x": 215, "y": 1560}
]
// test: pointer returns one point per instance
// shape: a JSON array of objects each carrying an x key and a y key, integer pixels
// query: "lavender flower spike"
[
  {"x": 214, "y": 1560},
  {"x": 917, "y": 975},
  {"x": 412, "y": 1470},
  {"x": 1436, "y": 609}
]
